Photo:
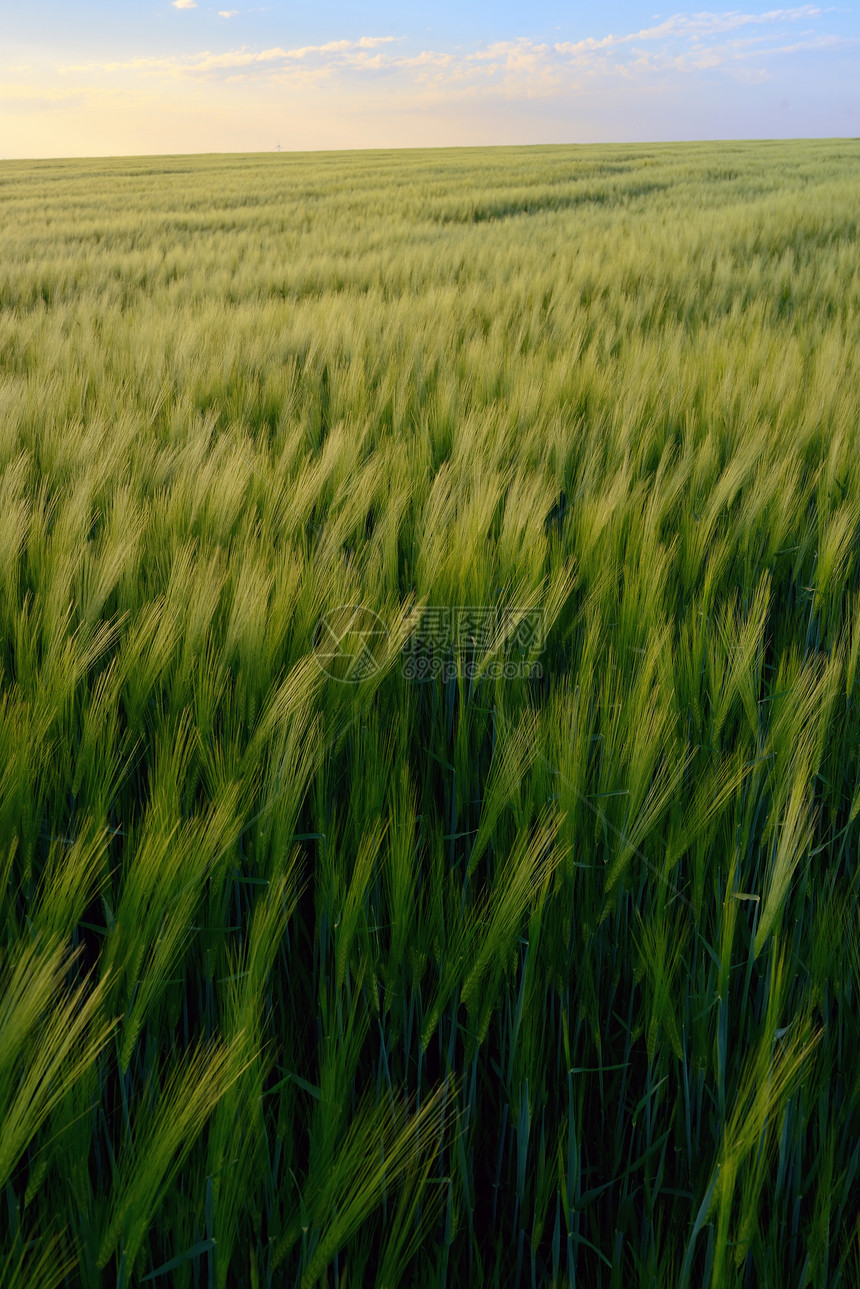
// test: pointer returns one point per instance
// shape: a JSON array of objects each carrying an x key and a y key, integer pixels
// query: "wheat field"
[{"x": 429, "y": 740}]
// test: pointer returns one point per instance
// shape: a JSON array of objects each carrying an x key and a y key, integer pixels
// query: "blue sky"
[{"x": 102, "y": 78}]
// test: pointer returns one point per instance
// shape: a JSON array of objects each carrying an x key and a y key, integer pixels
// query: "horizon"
[
  {"x": 598, "y": 144},
  {"x": 309, "y": 153}
]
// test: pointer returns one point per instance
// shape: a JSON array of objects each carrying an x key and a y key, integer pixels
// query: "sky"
[{"x": 143, "y": 77}]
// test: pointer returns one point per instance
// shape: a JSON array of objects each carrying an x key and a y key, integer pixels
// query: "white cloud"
[
  {"x": 731, "y": 43},
  {"x": 691, "y": 26},
  {"x": 227, "y": 13},
  {"x": 185, "y": 4},
  {"x": 334, "y": 53}
]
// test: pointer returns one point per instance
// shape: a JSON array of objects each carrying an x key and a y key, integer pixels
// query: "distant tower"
[{"x": 278, "y": 148}]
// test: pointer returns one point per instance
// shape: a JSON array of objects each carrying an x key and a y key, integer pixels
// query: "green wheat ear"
[
  {"x": 157, "y": 1147},
  {"x": 50, "y": 1036}
]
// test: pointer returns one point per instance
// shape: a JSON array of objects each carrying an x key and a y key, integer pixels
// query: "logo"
[{"x": 350, "y": 643}]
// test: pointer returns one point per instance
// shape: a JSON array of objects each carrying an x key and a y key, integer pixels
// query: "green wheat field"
[{"x": 429, "y": 719}]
